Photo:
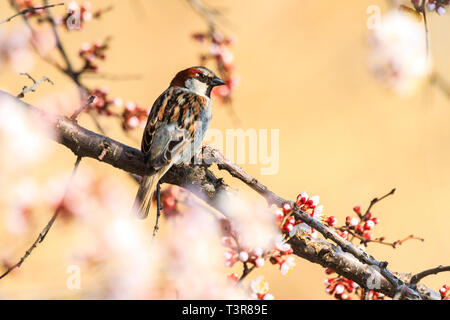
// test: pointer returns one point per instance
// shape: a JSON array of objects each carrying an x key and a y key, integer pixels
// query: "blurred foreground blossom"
[
  {"x": 398, "y": 52},
  {"x": 21, "y": 202},
  {"x": 193, "y": 258},
  {"x": 58, "y": 102},
  {"x": 253, "y": 223},
  {"x": 43, "y": 40},
  {"x": 23, "y": 139},
  {"x": 131, "y": 261},
  {"x": 15, "y": 49},
  {"x": 111, "y": 241},
  {"x": 184, "y": 262}
]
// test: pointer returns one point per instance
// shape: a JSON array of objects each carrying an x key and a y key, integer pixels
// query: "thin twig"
[
  {"x": 421, "y": 10},
  {"x": 246, "y": 272},
  {"x": 380, "y": 240},
  {"x": 416, "y": 278},
  {"x": 69, "y": 69},
  {"x": 34, "y": 35},
  {"x": 81, "y": 108},
  {"x": 26, "y": 89},
  {"x": 24, "y": 12},
  {"x": 374, "y": 201},
  {"x": 46, "y": 229}
]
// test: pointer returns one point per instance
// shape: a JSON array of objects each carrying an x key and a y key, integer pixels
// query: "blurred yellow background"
[{"x": 303, "y": 69}]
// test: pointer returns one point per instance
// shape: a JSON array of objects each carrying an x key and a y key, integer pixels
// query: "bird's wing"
[{"x": 171, "y": 125}]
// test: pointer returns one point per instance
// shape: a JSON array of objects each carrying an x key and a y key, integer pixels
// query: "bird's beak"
[{"x": 217, "y": 82}]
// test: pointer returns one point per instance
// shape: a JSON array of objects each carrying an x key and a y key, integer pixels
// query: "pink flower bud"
[
  {"x": 367, "y": 235},
  {"x": 259, "y": 262},
  {"x": 243, "y": 256},
  {"x": 354, "y": 222},
  {"x": 368, "y": 225},
  {"x": 329, "y": 271},
  {"x": 359, "y": 229},
  {"x": 233, "y": 277},
  {"x": 226, "y": 241},
  {"x": 339, "y": 289},
  {"x": 286, "y": 208},
  {"x": 258, "y": 252},
  {"x": 302, "y": 198},
  {"x": 279, "y": 214},
  {"x": 345, "y": 296},
  {"x": 344, "y": 234},
  {"x": 291, "y": 220},
  {"x": 332, "y": 221},
  {"x": 228, "y": 255},
  {"x": 288, "y": 227},
  {"x": 133, "y": 122}
]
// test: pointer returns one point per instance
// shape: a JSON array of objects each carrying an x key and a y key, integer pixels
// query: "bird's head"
[{"x": 199, "y": 80}]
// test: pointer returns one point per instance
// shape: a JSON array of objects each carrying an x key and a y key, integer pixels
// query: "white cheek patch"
[{"x": 196, "y": 86}]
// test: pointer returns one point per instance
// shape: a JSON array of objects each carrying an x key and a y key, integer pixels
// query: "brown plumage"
[{"x": 175, "y": 128}]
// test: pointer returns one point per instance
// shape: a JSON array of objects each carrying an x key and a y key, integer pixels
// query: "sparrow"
[{"x": 175, "y": 128}]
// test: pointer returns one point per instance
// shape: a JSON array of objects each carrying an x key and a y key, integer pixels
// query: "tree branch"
[
  {"x": 24, "y": 12},
  {"x": 343, "y": 257},
  {"x": 26, "y": 89},
  {"x": 416, "y": 278}
]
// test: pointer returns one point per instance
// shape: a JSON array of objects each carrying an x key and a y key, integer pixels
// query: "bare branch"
[
  {"x": 69, "y": 69},
  {"x": 246, "y": 271},
  {"x": 26, "y": 89},
  {"x": 81, "y": 109},
  {"x": 420, "y": 9},
  {"x": 381, "y": 240},
  {"x": 374, "y": 201},
  {"x": 46, "y": 229},
  {"x": 416, "y": 278},
  {"x": 24, "y": 12}
]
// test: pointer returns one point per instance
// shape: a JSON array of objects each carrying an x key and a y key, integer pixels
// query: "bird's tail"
[{"x": 144, "y": 197}]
